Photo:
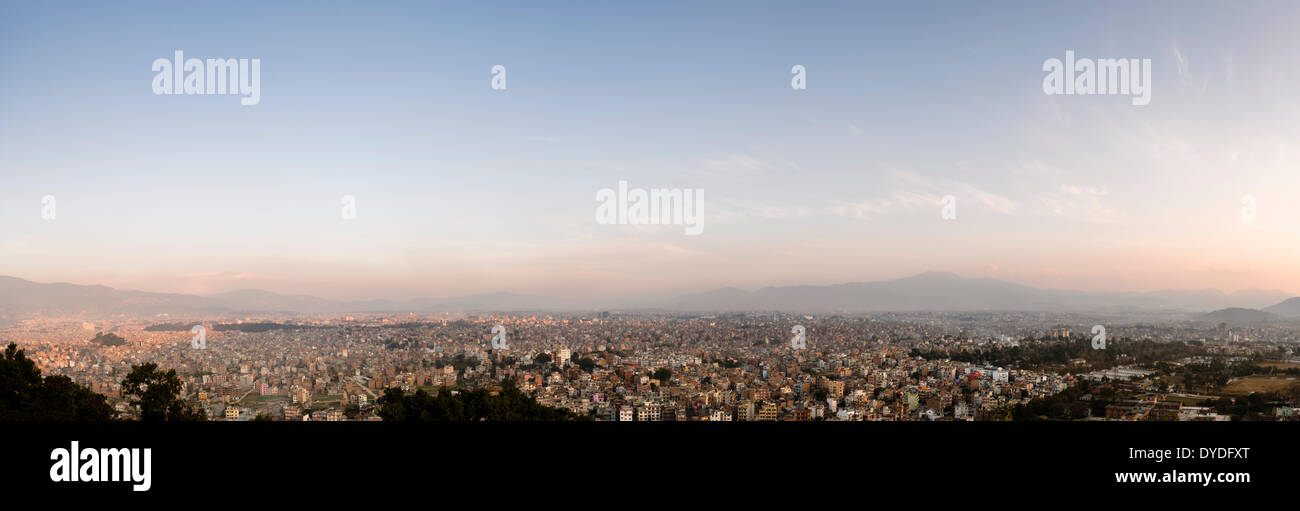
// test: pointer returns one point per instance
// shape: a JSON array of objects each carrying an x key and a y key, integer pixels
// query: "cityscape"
[
  {"x": 937, "y": 251},
  {"x": 656, "y": 366}
]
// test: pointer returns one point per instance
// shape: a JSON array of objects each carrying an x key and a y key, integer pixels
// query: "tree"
[
  {"x": 26, "y": 396},
  {"x": 157, "y": 395},
  {"x": 109, "y": 339},
  {"x": 663, "y": 374}
]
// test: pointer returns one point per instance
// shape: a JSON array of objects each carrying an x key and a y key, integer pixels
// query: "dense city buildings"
[{"x": 684, "y": 367}]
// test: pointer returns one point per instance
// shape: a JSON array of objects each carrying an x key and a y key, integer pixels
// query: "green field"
[{"x": 1243, "y": 386}]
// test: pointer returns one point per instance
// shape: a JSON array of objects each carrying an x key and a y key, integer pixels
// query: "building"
[
  {"x": 835, "y": 388},
  {"x": 670, "y": 414},
  {"x": 1128, "y": 410},
  {"x": 745, "y": 411},
  {"x": 649, "y": 413},
  {"x": 1164, "y": 411},
  {"x": 1200, "y": 413}
]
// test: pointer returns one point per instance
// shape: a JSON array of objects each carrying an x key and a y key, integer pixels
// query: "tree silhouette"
[
  {"x": 157, "y": 395},
  {"x": 26, "y": 396}
]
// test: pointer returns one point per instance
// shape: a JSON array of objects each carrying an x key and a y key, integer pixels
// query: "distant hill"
[
  {"x": 929, "y": 291},
  {"x": 1239, "y": 316},
  {"x": 171, "y": 327},
  {"x": 946, "y": 291},
  {"x": 109, "y": 339},
  {"x": 22, "y": 299},
  {"x": 1289, "y": 307}
]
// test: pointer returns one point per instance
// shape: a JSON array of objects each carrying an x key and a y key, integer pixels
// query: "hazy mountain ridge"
[
  {"x": 22, "y": 299},
  {"x": 1240, "y": 316},
  {"x": 932, "y": 291},
  {"x": 1289, "y": 307},
  {"x": 945, "y": 291}
]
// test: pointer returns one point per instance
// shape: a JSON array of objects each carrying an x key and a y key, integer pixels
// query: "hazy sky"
[{"x": 462, "y": 189}]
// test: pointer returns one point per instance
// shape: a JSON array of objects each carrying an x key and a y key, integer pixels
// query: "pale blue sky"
[{"x": 462, "y": 189}]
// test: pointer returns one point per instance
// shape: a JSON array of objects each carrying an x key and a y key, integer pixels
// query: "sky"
[{"x": 463, "y": 189}]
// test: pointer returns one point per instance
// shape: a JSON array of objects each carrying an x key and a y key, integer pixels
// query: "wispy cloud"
[
  {"x": 910, "y": 192},
  {"x": 1080, "y": 203},
  {"x": 1184, "y": 66},
  {"x": 1180, "y": 60},
  {"x": 737, "y": 165}
]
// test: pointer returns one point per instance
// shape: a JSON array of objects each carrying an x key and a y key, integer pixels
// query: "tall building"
[
  {"x": 835, "y": 388},
  {"x": 745, "y": 411}
]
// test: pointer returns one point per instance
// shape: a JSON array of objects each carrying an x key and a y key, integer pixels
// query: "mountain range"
[
  {"x": 929, "y": 291},
  {"x": 945, "y": 291}
]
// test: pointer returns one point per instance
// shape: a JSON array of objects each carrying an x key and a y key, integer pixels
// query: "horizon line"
[{"x": 676, "y": 294}]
